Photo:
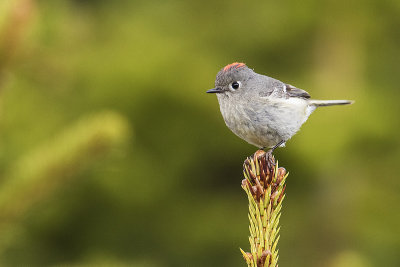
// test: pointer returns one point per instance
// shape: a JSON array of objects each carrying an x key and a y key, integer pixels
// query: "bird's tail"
[{"x": 324, "y": 103}]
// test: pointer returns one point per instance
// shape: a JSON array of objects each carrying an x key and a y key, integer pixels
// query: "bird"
[{"x": 262, "y": 110}]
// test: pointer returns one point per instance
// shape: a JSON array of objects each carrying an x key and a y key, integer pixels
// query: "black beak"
[{"x": 214, "y": 91}]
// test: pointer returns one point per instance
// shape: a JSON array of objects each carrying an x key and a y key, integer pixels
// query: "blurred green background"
[{"x": 112, "y": 154}]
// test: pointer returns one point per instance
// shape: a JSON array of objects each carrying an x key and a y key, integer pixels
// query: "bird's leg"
[{"x": 277, "y": 145}]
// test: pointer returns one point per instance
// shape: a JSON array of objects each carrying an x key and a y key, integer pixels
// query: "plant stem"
[{"x": 265, "y": 187}]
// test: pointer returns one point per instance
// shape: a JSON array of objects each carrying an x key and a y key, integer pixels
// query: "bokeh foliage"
[{"x": 158, "y": 195}]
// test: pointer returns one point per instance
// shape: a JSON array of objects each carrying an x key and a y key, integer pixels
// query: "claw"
[{"x": 270, "y": 158}]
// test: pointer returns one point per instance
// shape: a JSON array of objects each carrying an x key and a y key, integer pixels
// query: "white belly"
[{"x": 266, "y": 122}]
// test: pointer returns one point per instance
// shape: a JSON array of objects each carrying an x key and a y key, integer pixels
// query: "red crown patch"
[{"x": 235, "y": 65}]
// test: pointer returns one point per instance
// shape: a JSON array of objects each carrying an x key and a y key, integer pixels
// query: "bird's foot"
[{"x": 269, "y": 156}]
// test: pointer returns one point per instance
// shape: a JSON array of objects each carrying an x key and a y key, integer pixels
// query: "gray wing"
[
  {"x": 268, "y": 86},
  {"x": 292, "y": 91},
  {"x": 272, "y": 87}
]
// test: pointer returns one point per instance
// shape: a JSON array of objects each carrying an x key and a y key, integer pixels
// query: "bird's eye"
[{"x": 235, "y": 85}]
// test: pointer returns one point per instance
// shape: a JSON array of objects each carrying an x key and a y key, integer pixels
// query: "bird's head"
[{"x": 232, "y": 79}]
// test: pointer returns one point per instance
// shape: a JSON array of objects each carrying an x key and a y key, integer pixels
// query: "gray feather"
[
  {"x": 324, "y": 103},
  {"x": 296, "y": 92}
]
